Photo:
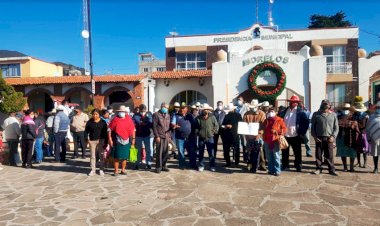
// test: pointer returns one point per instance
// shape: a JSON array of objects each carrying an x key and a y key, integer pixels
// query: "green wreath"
[{"x": 270, "y": 95}]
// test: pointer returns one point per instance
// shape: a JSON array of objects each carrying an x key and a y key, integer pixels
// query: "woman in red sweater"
[{"x": 274, "y": 127}]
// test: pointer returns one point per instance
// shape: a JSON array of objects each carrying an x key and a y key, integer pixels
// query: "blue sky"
[{"x": 50, "y": 29}]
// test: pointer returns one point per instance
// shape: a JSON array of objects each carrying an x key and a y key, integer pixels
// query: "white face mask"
[
  {"x": 110, "y": 111},
  {"x": 254, "y": 109},
  {"x": 240, "y": 103},
  {"x": 346, "y": 112},
  {"x": 143, "y": 113},
  {"x": 271, "y": 114},
  {"x": 121, "y": 114},
  {"x": 220, "y": 107}
]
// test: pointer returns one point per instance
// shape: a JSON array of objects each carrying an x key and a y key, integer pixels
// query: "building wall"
[
  {"x": 40, "y": 68},
  {"x": 170, "y": 59},
  {"x": 166, "y": 93},
  {"x": 211, "y": 54},
  {"x": 367, "y": 68}
]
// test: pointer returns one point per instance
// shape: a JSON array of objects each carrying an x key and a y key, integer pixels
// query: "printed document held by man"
[{"x": 248, "y": 128}]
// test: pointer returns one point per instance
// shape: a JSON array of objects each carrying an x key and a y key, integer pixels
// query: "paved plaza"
[{"x": 63, "y": 194}]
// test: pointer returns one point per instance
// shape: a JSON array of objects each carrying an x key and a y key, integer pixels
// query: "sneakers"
[
  {"x": 212, "y": 169},
  {"x": 317, "y": 172},
  {"x": 101, "y": 173},
  {"x": 92, "y": 173},
  {"x": 332, "y": 173},
  {"x": 201, "y": 168}
]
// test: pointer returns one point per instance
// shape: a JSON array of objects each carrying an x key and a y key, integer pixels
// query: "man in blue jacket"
[
  {"x": 182, "y": 129},
  {"x": 61, "y": 124},
  {"x": 297, "y": 124}
]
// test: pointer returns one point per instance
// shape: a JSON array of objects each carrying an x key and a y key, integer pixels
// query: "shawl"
[
  {"x": 373, "y": 127},
  {"x": 123, "y": 127}
]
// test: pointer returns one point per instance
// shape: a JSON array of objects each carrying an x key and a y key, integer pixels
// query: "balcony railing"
[
  {"x": 294, "y": 52},
  {"x": 339, "y": 68}
]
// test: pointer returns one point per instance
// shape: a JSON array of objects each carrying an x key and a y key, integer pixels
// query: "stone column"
[{"x": 317, "y": 79}]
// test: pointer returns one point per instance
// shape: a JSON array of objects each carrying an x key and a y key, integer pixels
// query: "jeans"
[
  {"x": 209, "y": 143},
  {"x": 13, "y": 151},
  {"x": 191, "y": 147},
  {"x": 254, "y": 148},
  {"x": 79, "y": 136},
  {"x": 60, "y": 146},
  {"x": 38, "y": 149},
  {"x": 148, "y": 144},
  {"x": 244, "y": 147},
  {"x": 51, "y": 142},
  {"x": 273, "y": 156},
  {"x": 181, "y": 152},
  {"x": 306, "y": 140}
]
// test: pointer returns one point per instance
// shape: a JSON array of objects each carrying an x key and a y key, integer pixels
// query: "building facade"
[{"x": 148, "y": 63}]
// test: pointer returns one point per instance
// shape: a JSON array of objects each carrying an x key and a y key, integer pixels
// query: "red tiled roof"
[
  {"x": 73, "y": 79},
  {"x": 182, "y": 74}
]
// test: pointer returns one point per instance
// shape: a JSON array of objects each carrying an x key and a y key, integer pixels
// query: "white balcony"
[
  {"x": 294, "y": 52},
  {"x": 339, "y": 68}
]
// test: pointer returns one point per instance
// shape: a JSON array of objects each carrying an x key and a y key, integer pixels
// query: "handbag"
[
  {"x": 133, "y": 154},
  {"x": 282, "y": 142}
]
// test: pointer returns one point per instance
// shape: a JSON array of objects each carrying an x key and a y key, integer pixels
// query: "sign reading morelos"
[{"x": 266, "y": 58}]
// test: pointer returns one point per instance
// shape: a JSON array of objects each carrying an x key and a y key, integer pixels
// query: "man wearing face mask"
[
  {"x": 324, "y": 129},
  {"x": 162, "y": 135},
  {"x": 207, "y": 126},
  {"x": 144, "y": 123},
  {"x": 255, "y": 143},
  {"x": 181, "y": 124},
  {"x": 241, "y": 108},
  {"x": 219, "y": 115},
  {"x": 297, "y": 124},
  {"x": 110, "y": 112},
  {"x": 230, "y": 135}
]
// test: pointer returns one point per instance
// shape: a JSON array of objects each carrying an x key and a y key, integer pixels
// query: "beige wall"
[{"x": 40, "y": 68}]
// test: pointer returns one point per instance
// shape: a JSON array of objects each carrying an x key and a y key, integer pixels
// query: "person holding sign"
[
  {"x": 254, "y": 141},
  {"x": 230, "y": 135},
  {"x": 274, "y": 127}
]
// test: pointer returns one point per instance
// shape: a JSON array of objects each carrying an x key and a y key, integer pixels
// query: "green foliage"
[
  {"x": 88, "y": 110},
  {"x": 321, "y": 21},
  {"x": 12, "y": 101}
]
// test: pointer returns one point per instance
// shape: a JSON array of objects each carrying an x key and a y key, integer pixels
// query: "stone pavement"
[{"x": 62, "y": 194}]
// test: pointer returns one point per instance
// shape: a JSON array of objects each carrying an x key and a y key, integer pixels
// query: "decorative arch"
[
  {"x": 119, "y": 91},
  {"x": 39, "y": 89},
  {"x": 190, "y": 97},
  {"x": 74, "y": 90},
  {"x": 78, "y": 95},
  {"x": 40, "y": 100}
]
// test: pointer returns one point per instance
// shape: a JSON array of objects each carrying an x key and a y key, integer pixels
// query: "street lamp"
[{"x": 86, "y": 34}]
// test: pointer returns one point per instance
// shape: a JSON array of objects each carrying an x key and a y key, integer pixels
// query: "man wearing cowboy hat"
[
  {"x": 60, "y": 127},
  {"x": 297, "y": 124},
  {"x": 324, "y": 129},
  {"x": 219, "y": 114},
  {"x": 230, "y": 136},
  {"x": 255, "y": 143},
  {"x": 207, "y": 126}
]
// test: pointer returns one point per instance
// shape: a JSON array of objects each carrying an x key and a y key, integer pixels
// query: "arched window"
[{"x": 190, "y": 97}]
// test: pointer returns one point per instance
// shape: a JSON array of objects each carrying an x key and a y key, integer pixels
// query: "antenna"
[
  {"x": 85, "y": 35},
  {"x": 270, "y": 16},
  {"x": 257, "y": 11}
]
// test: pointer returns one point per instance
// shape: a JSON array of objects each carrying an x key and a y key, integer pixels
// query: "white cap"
[{"x": 176, "y": 104}]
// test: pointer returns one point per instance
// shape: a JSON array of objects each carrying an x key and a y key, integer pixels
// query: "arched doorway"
[
  {"x": 189, "y": 97},
  {"x": 80, "y": 96},
  {"x": 39, "y": 100},
  {"x": 248, "y": 95}
]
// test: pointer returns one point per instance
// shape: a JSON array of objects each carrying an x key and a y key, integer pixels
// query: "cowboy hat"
[
  {"x": 207, "y": 107},
  {"x": 121, "y": 108},
  {"x": 265, "y": 104},
  {"x": 198, "y": 104},
  {"x": 230, "y": 107},
  {"x": 294, "y": 98},
  {"x": 346, "y": 106},
  {"x": 358, "y": 106},
  {"x": 254, "y": 104},
  {"x": 193, "y": 107},
  {"x": 176, "y": 104}
]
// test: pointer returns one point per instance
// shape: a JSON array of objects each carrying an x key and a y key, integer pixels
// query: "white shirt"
[
  {"x": 11, "y": 128},
  {"x": 290, "y": 122}
]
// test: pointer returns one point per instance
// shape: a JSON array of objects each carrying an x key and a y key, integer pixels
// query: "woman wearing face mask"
[
  {"x": 121, "y": 137},
  {"x": 274, "y": 127},
  {"x": 373, "y": 128},
  {"x": 344, "y": 141},
  {"x": 28, "y": 135}
]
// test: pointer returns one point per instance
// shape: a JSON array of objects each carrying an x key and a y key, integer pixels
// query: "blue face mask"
[
  {"x": 164, "y": 110},
  {"x": 121, "y": 114}
]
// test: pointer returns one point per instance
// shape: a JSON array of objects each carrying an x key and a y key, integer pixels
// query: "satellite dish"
[
  {"x": 173, "y": 33},
  {"x": 85, "y": 34}
]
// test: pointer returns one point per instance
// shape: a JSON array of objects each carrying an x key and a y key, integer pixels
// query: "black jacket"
[{"x": 28, "y": 132}]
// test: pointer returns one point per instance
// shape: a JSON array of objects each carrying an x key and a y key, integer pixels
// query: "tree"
[
  {"x": 321, "y": 21},
  {"x": 11, "y": 101}
]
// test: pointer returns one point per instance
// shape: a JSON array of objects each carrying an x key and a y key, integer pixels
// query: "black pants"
[
  {"x": 295, "y": 143},
  {"x": 254, "y": 149},
  {"x": 162, "y": 153},
  {"x": 60, "y": 146},
  {"x": 227, "y": 144},
  {"x": 324, "y": 150},
  {"x": 13, "y": 151},
  {"x": 79, "y": 137},
  {"x": 216, "y": 139},
  {"x": 26, "y": 152}
]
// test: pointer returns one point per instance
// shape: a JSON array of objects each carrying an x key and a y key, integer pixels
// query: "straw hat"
[
  {"x": 346, "y": 106},
  {"x": 254, "y": 104},
  {"x": 265, "y": 104},
  {"x": 198, "y": 104},
  {"x": 207, "y": 107},
  {"x": 360, "y": 107},
  {"x": 121, "y": 108},
  {"x": 193, "y": 107},
  {"x": 176, "y": 104}
]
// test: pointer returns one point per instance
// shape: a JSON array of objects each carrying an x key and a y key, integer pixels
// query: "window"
[
  {"x": 146, "y": 69},
  {"x": 190, "y": 97},
  {"x": 191, "y": 61},
  {"x": 161, "y": 69},
  {"x": 336, "y": 93},
  {"x": 10, "y": 70},
  {"x": 335, "y": 54}
]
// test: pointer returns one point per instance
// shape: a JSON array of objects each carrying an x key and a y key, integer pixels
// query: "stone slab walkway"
[{"x": 63, "y": 194}]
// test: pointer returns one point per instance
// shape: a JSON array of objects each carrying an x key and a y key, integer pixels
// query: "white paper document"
[{"x": 248, "y": 128}]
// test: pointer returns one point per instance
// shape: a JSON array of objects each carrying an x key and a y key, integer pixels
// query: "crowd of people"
[{"x": 188, "y": 131}]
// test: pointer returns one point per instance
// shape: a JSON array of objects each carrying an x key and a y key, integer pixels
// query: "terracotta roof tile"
[
  {"x": 182, "y": 74},
  {"x": 73, "y": 79}
]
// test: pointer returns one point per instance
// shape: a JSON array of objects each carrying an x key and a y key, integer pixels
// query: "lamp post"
[{"x": 86, "y": 34}]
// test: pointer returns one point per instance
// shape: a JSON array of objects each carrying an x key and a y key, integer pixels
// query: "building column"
[
  {"x": 149, "y": 93},
  {"x": 99, "y": 101},
  {"x": 222, "y": 91},
  {"x": 317, "y": 80}
]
